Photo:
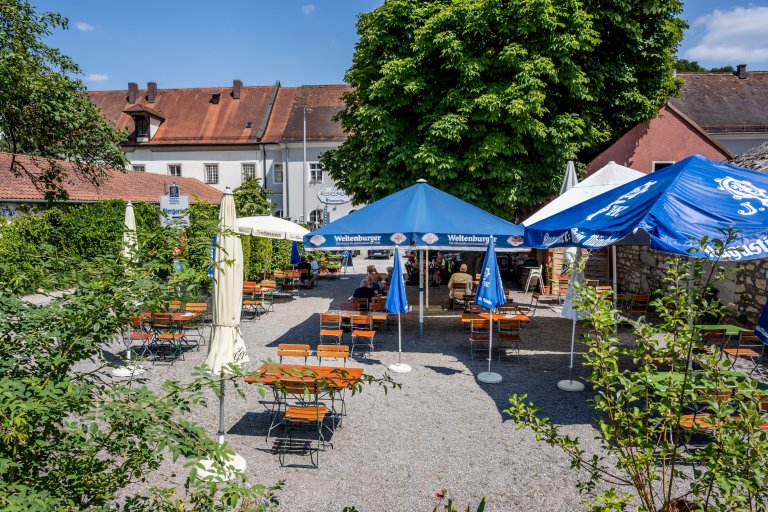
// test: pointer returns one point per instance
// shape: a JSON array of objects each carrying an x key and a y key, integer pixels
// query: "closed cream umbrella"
[
  {"x": 128, "y": 251},
  {"x": 227, "y": 344}
]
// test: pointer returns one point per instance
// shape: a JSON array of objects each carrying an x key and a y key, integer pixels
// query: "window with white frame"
[
  {"x": 174, "y": 169},
  {"x": 277, "y": 173},
  {"x": 249, "y": 172},
  {"x": 212, "y": 173},
  {"x": 138, "y": 167},
  {"x": 660, "y": 164},
  {"x": 316, "y": 172}
]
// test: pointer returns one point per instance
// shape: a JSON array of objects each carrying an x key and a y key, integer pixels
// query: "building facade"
[{"x": 224, "y": 136}]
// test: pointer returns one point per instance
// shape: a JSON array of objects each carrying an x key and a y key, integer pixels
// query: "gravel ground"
[{"x": 442, "y": 429}]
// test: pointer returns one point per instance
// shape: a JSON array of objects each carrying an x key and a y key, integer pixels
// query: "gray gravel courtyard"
[{"x": 442, "y": 429}]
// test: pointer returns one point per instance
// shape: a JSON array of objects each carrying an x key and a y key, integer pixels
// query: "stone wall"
[{"x": 641, "y": 269}]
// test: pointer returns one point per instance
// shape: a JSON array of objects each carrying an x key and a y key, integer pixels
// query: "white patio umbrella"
[
  {"x": 128, "y": 251},
  {"x": 227, "y": 344},
  {"x": 267, "y": 226}
]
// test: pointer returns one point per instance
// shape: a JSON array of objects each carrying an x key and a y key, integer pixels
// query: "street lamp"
[{"x": 305, "y": 171}]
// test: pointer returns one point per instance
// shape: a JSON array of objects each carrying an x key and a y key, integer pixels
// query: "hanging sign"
[
  {"x": 332, "y": 196},
  {"x": 173, "y": 206}
]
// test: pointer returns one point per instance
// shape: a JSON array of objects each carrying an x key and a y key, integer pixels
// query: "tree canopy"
[
  {"x": 692, "y": 66},
  {"x": 487, "y": 99},
  {"x": 43, "y": 109}
]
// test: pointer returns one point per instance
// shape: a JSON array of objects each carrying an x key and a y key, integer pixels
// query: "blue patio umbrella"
[
  {"x": 762, "y": 325},
  {"x": 670, "y": 210},
  {"x": 490, "y": 295},
  {"x": 419, "y": 217},
  {"x": 295, "y": 256},
  {"x": 397, "y": 303}
]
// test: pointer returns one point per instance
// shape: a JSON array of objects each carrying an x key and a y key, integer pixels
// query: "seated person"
[
  {"x": 314, "y": 271},
  {"x": 374, "y": 278},
  {"x": 305, "y": 265},
  {"x": 460, "y": 277},
  {"x": 365, "y": 291}
]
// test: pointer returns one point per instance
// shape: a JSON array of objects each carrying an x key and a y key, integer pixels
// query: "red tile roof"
[
  {"x": 128, "y": 186},
  {"x": 725, "y": 103},
  {"x": 190, "y": 117}
]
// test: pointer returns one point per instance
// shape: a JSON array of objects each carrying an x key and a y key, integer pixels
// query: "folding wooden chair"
[
  {"x": 479, "y": 332},
  {"x": 508, "y": 335},
  {"x": 749, "y": 348},
  {"x": 292, "y": 350},
  {"x": 305, "y": 418},
  {"x": 334, "y": 352},
  {"x": 330, "y": 327},
  {"x": 195, "y": 327},
  {"x": 166, "y": 335},
  {"x": 362, "y": 331},
  {"x": 381, "y": 319}
]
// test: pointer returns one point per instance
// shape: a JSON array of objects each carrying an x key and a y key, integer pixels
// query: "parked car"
[{"x": 379, "y": 253}]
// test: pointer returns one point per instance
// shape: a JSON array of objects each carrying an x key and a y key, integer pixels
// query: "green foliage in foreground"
[
  {"x": 75, "y": 439},
  {"x": 44, "y": 111},
  {"x": 488, "y": 99},
  {"x": 647, "y": 460}
]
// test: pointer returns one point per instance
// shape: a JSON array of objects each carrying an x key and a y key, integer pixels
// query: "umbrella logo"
[
  {"x": 317, "y": 240},
  {"x": 430, "y": 238},
  {"x": 398, "y": 238},
  {"x": 514, "y": 241},
  {"x": 615, "y": 208},
  {"x": 743, "y": 189}
]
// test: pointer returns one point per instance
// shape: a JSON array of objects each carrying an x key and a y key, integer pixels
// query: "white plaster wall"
[
  {"x": 287, "y": 196},
  {"x": 193, "y": 162},
  {"x": 154, "y": 124}
]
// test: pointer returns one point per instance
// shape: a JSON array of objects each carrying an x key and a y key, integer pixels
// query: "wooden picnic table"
[
  {"x": 468, "y": 317},
  {"x": 730, "y": 330},
  {"x": 661, "y": 381},
  {"x": 374, "y": 315},
  {"x": 335, "y": 377}
]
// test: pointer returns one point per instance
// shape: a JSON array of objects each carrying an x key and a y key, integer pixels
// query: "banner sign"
[{"x": 173, "y": 206}]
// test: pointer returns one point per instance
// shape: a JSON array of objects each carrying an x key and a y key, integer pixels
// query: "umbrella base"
[
  {"x": 570, "y": 385},
  {"x": 128, "y": 370},
  {"x": 400, "y": 368},
  {"x": 235, "y": 464},
  {"x": 489, "y": 377}
]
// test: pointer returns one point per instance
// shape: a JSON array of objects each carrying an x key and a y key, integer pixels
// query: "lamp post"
[{"x": 304, "y": 171}]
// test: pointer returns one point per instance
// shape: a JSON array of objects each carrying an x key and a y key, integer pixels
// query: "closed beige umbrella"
[
  {"x": 129, "y": 234},
  {"x": 128, "y": 251},
  {"x": 227, "y": 344}
]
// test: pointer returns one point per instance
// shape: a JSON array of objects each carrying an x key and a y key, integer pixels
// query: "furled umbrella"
[
  {"x": 128, "y": 251},
  {"x": 397, "y": 303},
  {"x": 227, "y": 346},
  {"x": 490, "y": 295},
  {"x": 295, "y": 256}
]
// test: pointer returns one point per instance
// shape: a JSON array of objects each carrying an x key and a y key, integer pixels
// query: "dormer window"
[
  {"x": 142, "y": 128},
  {"x": 146, "y": 121}
]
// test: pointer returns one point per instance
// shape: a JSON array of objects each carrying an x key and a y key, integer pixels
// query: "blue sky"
[{"x": 192, "y": 43}]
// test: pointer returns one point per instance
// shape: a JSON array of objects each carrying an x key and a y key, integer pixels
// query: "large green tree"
[
  {"x": 487, "y": 99},
  {"x": 43, "y": 109}
]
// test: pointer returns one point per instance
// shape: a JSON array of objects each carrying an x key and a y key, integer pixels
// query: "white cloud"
[
  {"x": 732, "y": 37},
  {"x": 97, "y": 77},
  {"x": 84, "y": 27},
  {"x": 308, "y": 9}
]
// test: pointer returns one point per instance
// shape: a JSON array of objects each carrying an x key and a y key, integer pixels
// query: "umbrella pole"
[
  {"x": 221, "y": 410},
  {"x": 399, "y": 367},
  {"x": 570, "y": 384},
  {"x": 128, "y": 370},
  {"x": 490, "y": 341},
  {"x": 421, "y": 294},
  {"x": 490, "y": 377},
  {"x": 427, "y": 278}
]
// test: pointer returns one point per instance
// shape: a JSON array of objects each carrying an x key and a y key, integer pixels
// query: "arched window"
[{"x": 316, "y": 218}]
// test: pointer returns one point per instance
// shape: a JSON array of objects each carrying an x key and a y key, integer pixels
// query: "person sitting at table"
[
  {"x": 460, "y": 277},
  {"x": 365, "y": 291},
  {"x": 388, "y": 279},
  {"x": 305, "y": 265},
  {"x": 376, "y": 278},
  {"x": 314, "y": 271}
]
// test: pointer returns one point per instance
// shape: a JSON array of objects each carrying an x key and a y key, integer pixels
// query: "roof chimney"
[
  {"x": 237, "y": 85},
  {"x": 215, "y": 97},
  {"x": 133, "y": 92},
  {"x": 741, "y": 71},
  {"x": 151, "y": 92}
]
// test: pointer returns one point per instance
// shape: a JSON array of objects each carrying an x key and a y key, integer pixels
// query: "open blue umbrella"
[
  {"x": 397, "y": 303},
  {"x": 295, "y": 256},
  {"x": 673, "y": 207},
  {"x": 490, "y": 295}
]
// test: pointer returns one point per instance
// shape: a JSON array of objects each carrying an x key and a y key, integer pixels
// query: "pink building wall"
[{"x": 670, "y": 137}]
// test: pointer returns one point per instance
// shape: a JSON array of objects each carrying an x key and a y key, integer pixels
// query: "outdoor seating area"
[{"x": 165, "y": 336}]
